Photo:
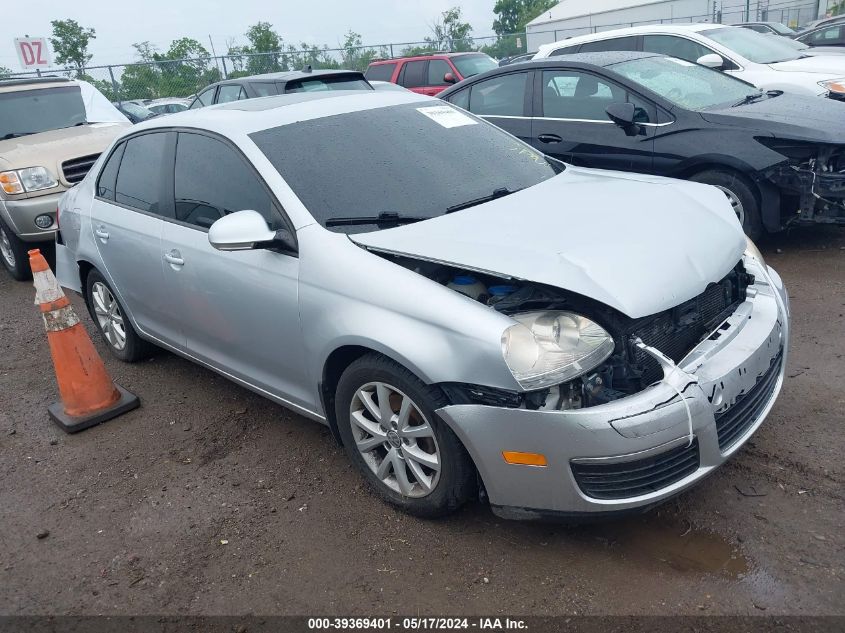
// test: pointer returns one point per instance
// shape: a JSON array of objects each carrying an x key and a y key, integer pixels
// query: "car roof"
[
  {"x": 239, "y": 118},
  {"x": 633, "y": 30},
  {"x": 436, "y": 55},
  {"x": 287, "y": 75},
  {"x": 15, "y": 83}
]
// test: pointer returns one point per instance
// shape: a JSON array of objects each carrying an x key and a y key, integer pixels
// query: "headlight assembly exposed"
[
  {"x": 753, "y": 252},
  {"x": 28, "y": 179},
  {"x": 834, "y": 85},
  {"x": 548, "y": 348}
]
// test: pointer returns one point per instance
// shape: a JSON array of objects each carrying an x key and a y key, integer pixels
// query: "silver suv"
[{"x": 51, "y": 132}]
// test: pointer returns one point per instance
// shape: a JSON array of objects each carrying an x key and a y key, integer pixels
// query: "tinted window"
[
  {"x": 25, "y": 112},
  {"x": 230, "y": 92},
  {"x": 566, "y": 50},
  {"x": 502, "y": 96},
  {"x": 574, "y": 95},
  {"x": 139, "y": 178},
  {"x": 380, "y": 72},
  {"x": 413, "y": 74},
  {"x": 105, "y": 183},
  {"x": 469, "y": 65},
  {"x": 437, "y": 69},
  {"x": 213, "y": 180},
  {"x": 328, "y": 83},
  {"x": 421, "y": 158},
  {"x": 203, "y": 99},
  {"x": 264, "y": 89},
  {"x": 679, "y": 47},
  {"x": 460, "y": 99},
  {"x": 827, "y": 36},
  {"x": 614, "y": 44}
]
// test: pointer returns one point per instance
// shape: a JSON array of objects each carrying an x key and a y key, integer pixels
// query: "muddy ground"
[{"x": 212, "y": 500}]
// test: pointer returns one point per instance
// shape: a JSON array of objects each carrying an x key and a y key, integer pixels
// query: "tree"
[
  {"x": 355, "y": 56},
  {"x": 142, "y": 80},
  {"x": 509, "y": 25},
  {"x": 184, "y": 68},
  {"x": 70, "y": 44},
  {"x": 263, "y": 52},
  {"x": 450, "y": 32}
]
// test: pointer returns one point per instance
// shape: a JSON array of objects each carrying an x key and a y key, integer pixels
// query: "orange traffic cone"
[{"x": 88, "y": 394}]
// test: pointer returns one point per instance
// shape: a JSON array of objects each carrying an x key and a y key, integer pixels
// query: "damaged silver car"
[{"x": 468, "y": 316}]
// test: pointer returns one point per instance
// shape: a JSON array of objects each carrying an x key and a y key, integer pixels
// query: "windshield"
[
  {"x": 469, "y": 65},
  {"x": 683, "y": 83},
  {"x": 327, "y": 83},
  {"x": 412, "y": 161},
  {"x": 136, "y": 110},
  {"x": 756, "y": 47},
  {"x": 31, "y": 111},
  {"x": 781, "y": 29}
]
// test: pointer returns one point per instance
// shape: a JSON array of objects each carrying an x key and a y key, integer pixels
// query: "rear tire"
[
  {"x": 13, "y": 253},
  {"x": 111, "y": 320},
  {"x": 436, "y": 475},
  {"x": 740, "y": 194}
]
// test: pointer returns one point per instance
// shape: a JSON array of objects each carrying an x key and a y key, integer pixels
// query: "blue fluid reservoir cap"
[
  {"x": 463, "y": 280},
  {"x": 500, "y": 291}
]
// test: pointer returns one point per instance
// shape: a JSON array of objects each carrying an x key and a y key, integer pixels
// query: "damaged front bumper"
[
  {"x": 820, "y": 194},
  {"x": 638, "y": 451}
]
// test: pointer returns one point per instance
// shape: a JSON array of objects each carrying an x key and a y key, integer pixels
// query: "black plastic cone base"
[{"x": 70, "y": 424}]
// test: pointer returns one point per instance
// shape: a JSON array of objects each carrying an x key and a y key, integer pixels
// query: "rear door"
[
  {"x": 504, "y": 100},
  {"x": 571, "y": 123},
  {"x": 127, "y": 221},
  {"x": 240, "y": 310}
]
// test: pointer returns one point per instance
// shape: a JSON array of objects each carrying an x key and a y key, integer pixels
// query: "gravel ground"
[{"x": 212, "y": 500}]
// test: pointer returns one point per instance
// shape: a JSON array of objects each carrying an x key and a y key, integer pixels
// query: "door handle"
[
  {"x": 101, "y": 232},
  {"x": 549, "y": 138},
  {"x": 174, "y": 258}
]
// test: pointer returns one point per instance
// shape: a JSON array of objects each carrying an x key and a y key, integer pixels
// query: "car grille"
[
  {"x": 76, "y": 168},
  {"x": 622, "y": 480},
  {"x": 677, "y": 331},
  {"x": 733, "y": 423}
]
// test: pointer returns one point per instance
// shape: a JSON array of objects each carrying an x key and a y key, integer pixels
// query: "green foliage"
[
  {"x": 450, "y": 33},
  {"x": 513, "y": 15},
  {"x": 355, "y": 56},
  {"x": 837, "y": 9},
  {"x": 70, "y": 44},
  {"x": 185, "y": 68},
  {"x": 265, "y": 47}
]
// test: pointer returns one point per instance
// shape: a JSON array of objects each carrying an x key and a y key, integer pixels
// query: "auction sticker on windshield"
[{"x": 447, "y": 116}]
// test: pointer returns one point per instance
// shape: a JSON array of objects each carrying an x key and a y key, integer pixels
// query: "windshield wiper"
[
  {"x": 750, "y": 98},
  {"x": 501, "y": 192},
  {"x": 16, "y": 135},
  {"x": 386, "y": 217}
]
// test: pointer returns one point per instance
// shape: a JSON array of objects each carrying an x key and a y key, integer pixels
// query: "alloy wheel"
[
  {"x": 6, "y": 249},
  {"x": 736, "y": 203},
  {"x": 395, "y": 439},
  {"x": 109, "y": 316}
]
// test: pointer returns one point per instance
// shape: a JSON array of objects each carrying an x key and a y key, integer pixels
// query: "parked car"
[
  {"x": 515, "y": 59},
  {"x": 810, "y": 51},
  {"x": 387, "y": 86},
  {"x": 674, "y": 118},
  {"x": 134, "y": 111},
  {"x": 455, "y": 306},
  {"x": 827, "y": 35},
  {"x": 168, "y": 106},
  {"x": 306, "y": 80},
  {"x": 762, "y": 60},
  {"x": 768, "y": 27},
  {"x": 51, "y": 132},
  {"x": 835, "y": 19},
  {"x": 429, "y": 74}
]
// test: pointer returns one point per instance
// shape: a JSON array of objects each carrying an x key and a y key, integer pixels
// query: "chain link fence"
[{"x": 185, "y": 77}]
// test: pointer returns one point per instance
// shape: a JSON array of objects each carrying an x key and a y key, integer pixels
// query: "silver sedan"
[{"x": 464, "y": 313}]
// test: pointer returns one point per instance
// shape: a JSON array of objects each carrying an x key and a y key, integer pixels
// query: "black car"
[
  {"x": 305, "y": 80},
  {"x": 779, "y": 158},
  {"x": 825, "y": 35},
  {"x": 134, "y": 111}
]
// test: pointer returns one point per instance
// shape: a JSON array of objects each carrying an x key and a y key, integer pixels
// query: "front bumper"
[
  {"x": 20, "y": 216},
  {"x": 820, "y": 195},
  {"x": 641, "y": 438}
]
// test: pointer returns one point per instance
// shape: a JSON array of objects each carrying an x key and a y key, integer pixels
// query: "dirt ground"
[{"x": 212, "y": 500}]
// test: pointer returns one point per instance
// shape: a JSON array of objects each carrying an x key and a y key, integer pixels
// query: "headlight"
[
  {"x": 547, "y": 348},
  {"x": 753, "y": 252},
  {"x": 28, "y": 179},
  {"x": 834, "y": 85}
]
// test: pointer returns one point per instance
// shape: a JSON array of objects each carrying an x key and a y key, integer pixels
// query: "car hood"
[
  {"x": 817, "y": 51},
  {"x": 787, "y": 116},
  {"x": 828, "y": 65},
  {"x": 640, "y": 244}
]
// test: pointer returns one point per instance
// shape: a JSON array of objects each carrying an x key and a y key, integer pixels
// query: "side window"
[
  {"x": 675, "y": 47},
  {"x": 380, "y": 72},
  {"x": 105, "y": 183},
  {"x": 614, "y": 44},
  {"x": 566, "y": 50},
  {"x": 230, "y": 92},
  {"x": 827, "y": 36},
  {"x": 205, "y": 98},
  {"x": 139, "y": 178},
  {"x": 499, "y": 96},
  {"x": 460, "y": 99},
  {"x": 264, "y": 89},
  {"x": 569, "y": 94},
  {"x": 413, "y": 74},
  {"x": 202, "y": 196},
  {"x": 437, "y": 69}
]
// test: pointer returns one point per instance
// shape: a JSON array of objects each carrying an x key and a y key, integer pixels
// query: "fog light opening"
[{"x": 44, "y": 221}]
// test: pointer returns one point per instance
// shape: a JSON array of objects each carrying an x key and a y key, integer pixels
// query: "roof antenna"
[{"x": 307, "y": 68}]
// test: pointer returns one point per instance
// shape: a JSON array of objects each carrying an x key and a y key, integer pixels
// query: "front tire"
[
  {"x": 111, "y": 320},
  {"x": 386, "y": 419},
  {"x": 13, "y": 253},
  {"x": 740, "y": 194}
]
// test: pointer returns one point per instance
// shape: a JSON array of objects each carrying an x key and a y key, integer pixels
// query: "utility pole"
[{"x": 214, "y": 54}]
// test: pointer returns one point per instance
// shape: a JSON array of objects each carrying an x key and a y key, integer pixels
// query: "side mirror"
[
  {"x": 449, "y": 78},
  {"x": 247, "y": 230},
  {"x": 711, "y": 60},
  {"x": 623, "y": 115}
]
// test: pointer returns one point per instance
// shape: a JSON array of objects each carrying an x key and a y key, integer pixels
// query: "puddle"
[{"x": 678, "y": 546}]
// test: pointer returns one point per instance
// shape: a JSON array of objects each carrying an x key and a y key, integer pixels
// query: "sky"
[{"x": 119, "y": 24}]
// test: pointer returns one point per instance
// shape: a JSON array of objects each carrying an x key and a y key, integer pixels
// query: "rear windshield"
[
  {"x": 327, "y": 83},
  {"x": 413, "y": 160},
  {"x": 469, "y": 65},
  {"x": 31, "y": 111}
]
